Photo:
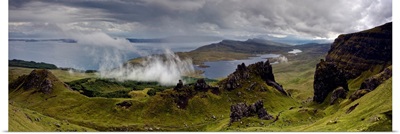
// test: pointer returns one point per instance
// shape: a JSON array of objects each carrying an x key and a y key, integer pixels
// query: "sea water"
[{"x": 220, "y": 69}]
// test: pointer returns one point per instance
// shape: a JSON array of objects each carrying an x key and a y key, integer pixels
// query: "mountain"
[
  {"x": 351, "y": 56},
  {"x": 252, "y": 46}
]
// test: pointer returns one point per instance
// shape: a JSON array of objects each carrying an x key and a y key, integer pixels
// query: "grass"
[
  {"x": 297, "y": 77},
  {"x": 103, "y": 114},
  {"x": 65, "y": 76},
  {"x": 24, "y": 120},
  {"x": 160, "y": 113}
]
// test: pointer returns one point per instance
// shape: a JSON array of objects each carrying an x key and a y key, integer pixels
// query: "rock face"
[
  {"x": 339, "y": 92},
  {"x": 243, "y": 74},
  {"x": 39, "y": 80},
  {"x": 327, "y": 77},
  {"x": 185, "y": 92},
  {"x": 356, "y": 52},
  {"x": 371, "y": 83},
  {"x": 349, "y": 56},
  {"x": 234, "y": 80},
  {"x": 241, "y": 110},
  {"x": 374, "y": 81}
]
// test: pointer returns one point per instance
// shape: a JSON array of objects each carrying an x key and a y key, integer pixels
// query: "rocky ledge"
[{"x": 241, "y": 110}]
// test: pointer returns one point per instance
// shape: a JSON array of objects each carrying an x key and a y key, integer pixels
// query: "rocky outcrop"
[
  {"x": 125, "y": 104},
  {"x": 327, "y": 77},
  {"x": 243, "y": 73},
  {"x": 185, "y": 92},
  {"x": 339, "y": 92},
  {"x": 38, "y": 80},
  {"x": 374, "y": 81},
  {"x": 349, "y": 56},
  {"x": 241, "y": 110},
  {"x": 234, "y": 80},
  {"x": 371, "y": 83},
  {"x": 358, "y": 94}
]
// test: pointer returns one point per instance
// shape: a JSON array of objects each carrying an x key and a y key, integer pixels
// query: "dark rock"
[
  {"x": 339, "y": 92},
  {"x": 358, "y": 94},
  {"x": 277, "y": 86},
  {"x": 234, "y": 79},
  {"x": 186, "y": 92},
  {"x": 125, "y": 104},
  {"x": 179, "y": 85},
  {"x": 241, "y": 110},
  {"x": 374, "y": 81},
  {"x": 201, "y": 85},
  {"x": 46, "y": 86},
  {"x": 351, "y": 108},
  {"x": 327, "y": 77},
  {"x": 262, "y": 114},
  {"x": 39, "y": 80},
  {"x": 243, "y": 73},
  {"x": 355, "y": 53},
  {"x": 349, "y": 56},
  {"x": 371, "y": 83}
]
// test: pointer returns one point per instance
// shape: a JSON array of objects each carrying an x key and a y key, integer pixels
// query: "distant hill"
[
  {"x": 30, "y": 64},
  {"x": 45, "y": 40},
  {"x": 236, "y": 50},
  {"x": 251, "y": 46}
]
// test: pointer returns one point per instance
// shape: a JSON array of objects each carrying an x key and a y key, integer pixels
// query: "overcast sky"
[{"x": 234, "y": 19}]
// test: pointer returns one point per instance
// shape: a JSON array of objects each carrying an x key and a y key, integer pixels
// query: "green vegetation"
[
  {"x": 151, "y": 92},
  {"x": 111, "y": 88},
  {"x": 99, "y": 104},
  {"x": 30, "y": 64}
]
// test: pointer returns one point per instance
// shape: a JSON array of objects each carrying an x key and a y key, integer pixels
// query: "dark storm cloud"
[{"x": 225, "y": 18}]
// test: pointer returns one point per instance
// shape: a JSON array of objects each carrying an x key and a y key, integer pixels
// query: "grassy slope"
[
  {"x": 297, "y": 77},
  {"x": 163, "y": 115},
  {"x": 25, "y": 120},
  {"x": 65, "y": 76},
  {"x": 156, "y": 112}
]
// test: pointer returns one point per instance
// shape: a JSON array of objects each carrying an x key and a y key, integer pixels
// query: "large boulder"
[
  {"x": 339, "y": 92},
  {"x": 241, "y": 110}
]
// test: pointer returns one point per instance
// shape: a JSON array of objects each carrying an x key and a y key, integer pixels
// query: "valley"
[{"x": 343, "y": 86}]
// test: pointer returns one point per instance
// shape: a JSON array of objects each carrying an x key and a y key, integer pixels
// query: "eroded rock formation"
[
  {"x": 243, "y": 74},
  {"x": 241, "y": 110}
]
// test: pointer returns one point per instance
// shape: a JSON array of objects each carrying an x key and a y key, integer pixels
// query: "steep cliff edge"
[
  {"x": 356, "y": 52},
  {"x": 351, "y": 55}
]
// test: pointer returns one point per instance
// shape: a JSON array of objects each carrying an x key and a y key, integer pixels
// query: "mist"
[
  {"x": 111, "y": 53},
  {"x": 166, "y": 69}
]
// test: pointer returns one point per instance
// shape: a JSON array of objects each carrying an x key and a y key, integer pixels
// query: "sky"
[{"x": 231, "y": 19}]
